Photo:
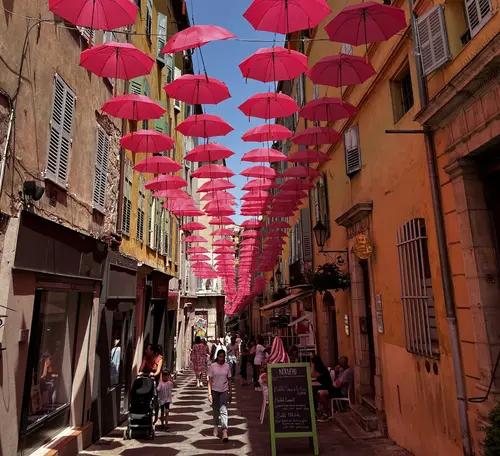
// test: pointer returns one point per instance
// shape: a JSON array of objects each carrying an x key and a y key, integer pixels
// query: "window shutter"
[
  {"x": 136, "y": 86},
  {"x": 305, "y": 218},
  {"x": 151, "y": 226},
  {"x": 171, "y": 237},
  {"x": 127, "y": 198},
  {"x": 158, "y": 223},
  {"x": 101, "y": 170},
  {"x": 109, "y": 37},
  {"x": 140, "y": 210},
  {"x": 87, "y": 34},
  {"x": 61, "y": 125},
  {"x": 432, "y": 40},
  {"x": 352, "y": 151},
  {"x": 346, "y": 49},
  {"x": 478, "y": 13},
  {"x": 149, "y": 18},
  {"x": 162, "y": 37},
  {"x": 177, "y": 103}
]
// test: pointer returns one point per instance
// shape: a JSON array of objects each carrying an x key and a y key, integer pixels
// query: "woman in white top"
[{"x": 260, "y": 357}]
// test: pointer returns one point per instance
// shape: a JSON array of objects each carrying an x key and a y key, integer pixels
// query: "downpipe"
[
  {"x": 3, "y": 157},
  {"x": 444, "y": 261}
]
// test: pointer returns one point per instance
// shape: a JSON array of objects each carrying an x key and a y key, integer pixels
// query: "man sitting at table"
[{"x": 344, "y": 378}]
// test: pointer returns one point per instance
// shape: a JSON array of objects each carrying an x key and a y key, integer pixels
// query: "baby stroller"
[{"x": 142, "y": 408}]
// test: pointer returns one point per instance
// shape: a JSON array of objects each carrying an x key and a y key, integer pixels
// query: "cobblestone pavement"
[{"x": 190, "y": 432}]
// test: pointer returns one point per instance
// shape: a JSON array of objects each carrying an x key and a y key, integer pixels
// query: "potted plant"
[
  {"x": 329, "y": 277},
  {"x": 492, "y": 440}
]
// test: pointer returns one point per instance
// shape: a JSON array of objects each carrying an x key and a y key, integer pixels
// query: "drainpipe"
[
  {"x": 3, "y": 156},
  {"x": 444, "y": 262}
]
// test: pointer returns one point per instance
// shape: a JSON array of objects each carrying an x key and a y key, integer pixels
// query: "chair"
[
  {"x": 340, "y": 402},
  {"x": 265, "y": 403}
]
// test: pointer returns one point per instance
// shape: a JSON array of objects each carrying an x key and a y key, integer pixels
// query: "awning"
[
  {"x": 286, "y": 300},
  {"x": 300, "y": 320}
]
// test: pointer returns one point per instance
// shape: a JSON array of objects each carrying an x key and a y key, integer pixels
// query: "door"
[{"x": 367, "y": 325}]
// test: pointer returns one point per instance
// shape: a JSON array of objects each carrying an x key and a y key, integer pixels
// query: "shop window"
[
  {"x": 402, "y": 93},
  {"x": 49, "y": 374},
  {"x": 416, "y": 289}
]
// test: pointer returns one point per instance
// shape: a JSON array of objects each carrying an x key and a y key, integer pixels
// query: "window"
[
  {"x": 158, "y": 226},
  {"x": 432, "y": 40},
  {"x": 352, "y": 151},
  {"x": 173, "y": 229},
  {"x": 478, "y": 13},
  {"x": 49, "y": 374},
  {"x": 161, "y": 38},
  {"x": 109, "y": 37},
  {"x": 136, "y": 86},
  {"x": 346, "y": 49},
  {"x": 402, "y": 93},
  {"x": 127, "y": 198},
  {"x": 87, "y": 34},
  {"x": 177, "y": 103},
  {"x": 416, "y": 289},
  {"x": 101, "y": 170},
  {"x": 322, "y": 209},
  {"x": 149, "y": 19},
  {"x": 151, "y": 219},
  {"x": 140, "y": 210},
  {"x": 305, "y": 219}
]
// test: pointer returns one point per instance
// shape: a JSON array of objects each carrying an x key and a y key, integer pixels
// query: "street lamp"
[
  {"x": 278, "y": 276},
  {"x": 320, "y": 234}
]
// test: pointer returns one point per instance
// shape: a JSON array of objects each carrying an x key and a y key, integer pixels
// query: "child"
[{"x": 165, "y": 396}]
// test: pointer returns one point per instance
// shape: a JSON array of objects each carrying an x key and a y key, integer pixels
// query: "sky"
[{"x": 222, "y": 59}]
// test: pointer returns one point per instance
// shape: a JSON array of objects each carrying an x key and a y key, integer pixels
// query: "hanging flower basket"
[{"x": 329, "y": 277}]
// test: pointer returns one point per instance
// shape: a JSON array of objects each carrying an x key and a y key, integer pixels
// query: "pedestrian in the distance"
[
  {"x": 164, "y": 390},
  {"x": 199, "y": 360},
  {"x": 233, "y": 353},
  {"x": 260, "y": 357},
  {"x": 244, "y": 355},
  {"x": 219, "y": 393}
]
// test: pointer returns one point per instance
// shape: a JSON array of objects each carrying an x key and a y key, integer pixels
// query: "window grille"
[{"x": 416, "y": 289}]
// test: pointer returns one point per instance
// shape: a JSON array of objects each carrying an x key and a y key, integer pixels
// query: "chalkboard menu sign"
[{"x": 291, "y": 406}]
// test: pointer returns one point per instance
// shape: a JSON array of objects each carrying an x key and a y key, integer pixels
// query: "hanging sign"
[
  {"x": 363, "y": 247},
  {"x": 291, "y": 406}
]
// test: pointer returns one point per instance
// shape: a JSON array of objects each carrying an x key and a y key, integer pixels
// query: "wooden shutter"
[
  {"x": 127, "y": 198},
  {"x": 61, "y": 125},
  {"x": 87, "y": 34},
  {"x": 352, "y": 151},
  {"x": 478, "y": 13},
  {"x": 177, "y": 74},
  {"x": 140, "y": 210},
  {"x": 162, "y": 37},
  {"x": 151, "y": 221},
  {"x": 171, "y": 236},
  {"x": 305, "y": 218},
  {"x": 136, "y": 86},
  {"x": 101, "y": 170},
  {"x": 432, "y": 40},
  {"x": 149, "y": 18},
  {"x": 158, "y": 221}
]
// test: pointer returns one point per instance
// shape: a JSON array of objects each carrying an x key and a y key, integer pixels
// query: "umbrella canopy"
[
  {"x": 193, "y": 226},
  {"x": 218, "y": 196},
  {"x": 165, "y": 183},
  {"x": 327, "y": 108},
  {"x": 133, "y": 107},
  {"x": 301, "y": 171},
  {"x": 222, "y": 232},
  {"x": 308, "y": 156},
  {"x": 258, "y": 184},
  {"x": 221, "y": 221},
  {"x": 116, "y": 60},
  {"x": 286, "y": 16},
  {"x": 197, "y": 89},
  {"x": 341, "y": 70},
  {"x": 197, "y": 250},
  {"x": 96, "y": 14},
  {"x": 314, "y": 136},
  {"x": 274, "y": 64},
  {"x": 223, "y": 242},
  {"x": 157, "y": 165},
  {"x": 281, "y": 225},
  {"x": 213, "y": 171},
  {"x": 204, "y": 126},
  {"x": 208, "y": 152},
  {"x": 250, "y": 234},
  {"x": 269, "y": 105},
  {"x": 259, "y": 171},
  {"x": 364, "y": 23},
  {"x": 251, "y": 224},
  {"x": 214, "y": 185},
  {"x": 255, "y": 196},
  {"x": 199, "y": 257},
  {"x": 266, "y": 133},
  {"x": 195, "y": 239},
  {"x": 194, "y": 37},
  {"x": 147, "y": 141},
  {"x": 264, "y": 155},
  {"x": 176, "y": 193}
]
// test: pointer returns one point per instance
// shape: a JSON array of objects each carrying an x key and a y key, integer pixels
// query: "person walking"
[
  {"x": 244, "y": 356},
  {"x": 164, "y": 390},
  {"x": 233, "y": 353},
  {"x": 260, "y": 357},
  {"x": 219, "y": 393},
  {"x": 199, "y": 360}
]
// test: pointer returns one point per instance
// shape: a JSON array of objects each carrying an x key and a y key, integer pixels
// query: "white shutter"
[
  {"x": 346, "y": 49},
  {"x": 109, "y": 37},
  {"x": 140, "y": 210},
  {"x": 177, "y": 74},
  {"x": 162, "y": 36},
  {"x": 432, "y": 40},
  {"x": 152, "y": 224},
  {"x": 478, "y": 13},
  {"x": 101, "y": 170},
  {"x": 352, "y": 151},
  {"x": 305, "y": 218},
  {"x": 149, "y": 18},
  {"x": 61, "y": 125}
]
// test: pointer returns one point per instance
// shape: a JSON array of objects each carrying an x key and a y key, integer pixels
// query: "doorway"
[{"x": 366, "y": 328}]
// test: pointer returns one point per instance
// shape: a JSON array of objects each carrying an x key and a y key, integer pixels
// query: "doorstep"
[{"x": 69, "y": 442}]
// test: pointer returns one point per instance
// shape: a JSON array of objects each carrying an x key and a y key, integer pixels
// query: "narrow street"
[{"x": 190, "y": 432}]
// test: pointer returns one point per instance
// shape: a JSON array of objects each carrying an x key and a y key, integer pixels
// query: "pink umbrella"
[
  {"x": 269, "y": 105},
  {"x": 196, "y": 250},
  {"x": 195, "y": 239},
  {"x": 329, "y": 109},
  {"x": 157, "y": 165},
  {"x": 96, "y": 14},
  {"x": 197, "y": 89},
  {"x": 259, "y": 183},
  {"x": 223, "y": 232},
  {"x": 199, "y": 257},
  {"x": 166, "y": 183},
  {"x": 214, "y": 185},
  {"x": 286, "y": 16},
  {"x": 208, "y": 152},
  {"x": 147, "y": 141},
  {"x": 309, "y": 156},
  {"x": 341, "y": 70},
  {"x": 251, "y": 224},
  {"x": 301, "y": 171},
  {"x": 296, "y": 184},
  {"x": 116, "y": 60},
  {"x": 274, "y": 64},
  {"x": 193, "y": 226},
  {"x": 255, "y": 196},
  {"x": 223, "y": 242},
  {"x": 133, "y": 107},
  {"x": 221, "y": 221},
  {"x": 195, "y": 37},
  {"x": 250, "y": 234},
  {"x": 176, "y": 193},
  {"x": 264, "y": 155},
  {"x": 259, "y": 171},
  {"x": 279, "y": 225},
  {"x": 267, "y": 132},
  {"x": 315, "y": 136},
  {"x": 212, "y": 171},
  {"x": 364, "y": 23},
  {"x": 219, "y": 196},
  {"x": 185, "y": 212},
  {"x": 204, "y": 126}
]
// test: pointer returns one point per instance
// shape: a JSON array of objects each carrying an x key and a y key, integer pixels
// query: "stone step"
[
  {"x": 366, "y": 417},
  {"x": 369, "y": 402},
  {"x": 348, "y": 422}
]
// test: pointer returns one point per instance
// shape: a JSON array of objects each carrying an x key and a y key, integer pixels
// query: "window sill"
[
  {"x": 63, "y": 187},
  {"x": 40, "y": 422}
]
